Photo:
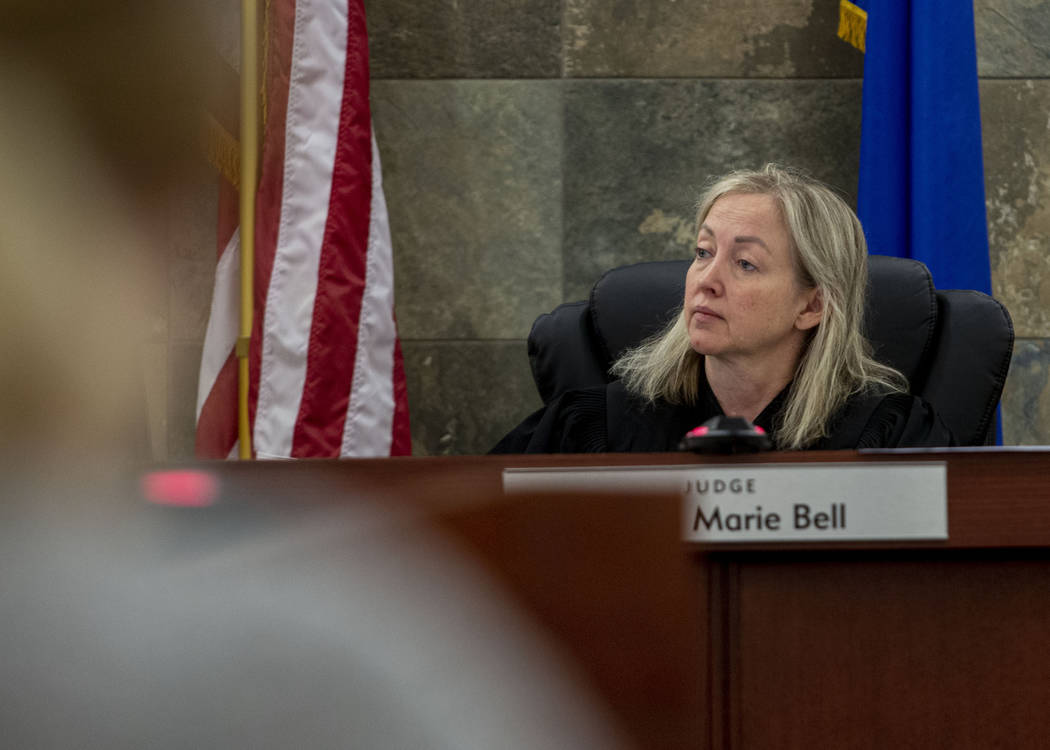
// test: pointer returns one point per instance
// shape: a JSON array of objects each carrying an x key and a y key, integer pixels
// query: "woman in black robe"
[{"x": 770, "y": 330}]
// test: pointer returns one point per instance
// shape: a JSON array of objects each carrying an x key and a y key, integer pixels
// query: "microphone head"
[{"x": 724, "y": 434}]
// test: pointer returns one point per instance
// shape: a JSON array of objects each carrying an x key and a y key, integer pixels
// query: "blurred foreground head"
[
  {"x": 102, "y": 101},
  {"x": 275, "y": 619}
]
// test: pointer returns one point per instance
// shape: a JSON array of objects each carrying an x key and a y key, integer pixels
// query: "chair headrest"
[
  {"x": 630, "y": 303},
  {"x": 563, "y": 351},
  {"x": 900, "y": 314},
  {"x": 975, "y": 336}
]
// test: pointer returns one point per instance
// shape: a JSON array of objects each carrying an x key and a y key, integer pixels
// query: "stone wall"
[{"x": 529, "y": 145}]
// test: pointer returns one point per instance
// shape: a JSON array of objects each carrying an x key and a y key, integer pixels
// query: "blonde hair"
[{"x": 830, "y": 253}]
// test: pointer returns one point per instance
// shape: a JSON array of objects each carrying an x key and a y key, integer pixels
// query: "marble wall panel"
[
  {"x": 192, "y": 219},
  {"x": 192, "y": 213},
  {"x": 183, "y": 369},
  {"x": 223, "y": 21},
  {"x": 154, "y": 303},
  {"x": 637, "y": 154},
  {"x": 706, "y": 39},
  {"x": 472, "y": 173},
  {"x": 1013, "y": 38},
  {"x": 191, "y": 241},
  {"x": 190, "y": 299},
  {"x": 1016, "y": 126},
  {"x": 1026, "y": 397},
  {"x": 464, "y": 38},
  {"x": 154, "y": 359},
  {"x": 464, "y": 396}
]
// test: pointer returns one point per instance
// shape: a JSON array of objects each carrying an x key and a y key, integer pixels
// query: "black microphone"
[{"x": 724, "y": 434}]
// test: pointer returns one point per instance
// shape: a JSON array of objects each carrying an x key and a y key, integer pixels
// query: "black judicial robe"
[{"x": 610, "y": 419}]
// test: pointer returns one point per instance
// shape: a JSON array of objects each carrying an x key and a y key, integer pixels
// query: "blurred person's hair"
[{"x": 102, "y": 104}]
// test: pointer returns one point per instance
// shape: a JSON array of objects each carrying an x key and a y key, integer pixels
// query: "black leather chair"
[{"x": 953, "y": 346}]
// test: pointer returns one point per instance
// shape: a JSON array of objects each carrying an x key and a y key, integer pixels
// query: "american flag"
[{"x": 327, "y": 376}]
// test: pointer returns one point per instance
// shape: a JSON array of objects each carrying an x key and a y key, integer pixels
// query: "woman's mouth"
[{"x": 706, "y": 313}]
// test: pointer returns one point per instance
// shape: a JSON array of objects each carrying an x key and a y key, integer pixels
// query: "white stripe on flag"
[
  {"x": 370, "y": 413},
  {"x": 312, "y": 129},
  {"x": 224, "y": 319}
]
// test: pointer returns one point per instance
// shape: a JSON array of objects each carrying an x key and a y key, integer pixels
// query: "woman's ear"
[{"x": 813, "y": 312}]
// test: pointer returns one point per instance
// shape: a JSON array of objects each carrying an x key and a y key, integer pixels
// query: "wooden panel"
[
  {"x": 886, "y": 644},
  {"x": 937, "y": 651},
  {"x": 606, "y": 577},
  {"x": 998, "y": 498}
]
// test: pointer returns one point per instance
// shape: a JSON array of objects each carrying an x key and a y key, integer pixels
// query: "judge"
[{"x": 770, "y": 330}]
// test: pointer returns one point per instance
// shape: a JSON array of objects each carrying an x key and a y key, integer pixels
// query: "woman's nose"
[{"x": 711, "y": 277}]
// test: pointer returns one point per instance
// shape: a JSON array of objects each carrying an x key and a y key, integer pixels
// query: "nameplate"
[{"x": 776, "y": 502}]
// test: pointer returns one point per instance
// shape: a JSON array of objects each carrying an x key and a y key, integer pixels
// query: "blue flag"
[{"x": 921, "y": 192}]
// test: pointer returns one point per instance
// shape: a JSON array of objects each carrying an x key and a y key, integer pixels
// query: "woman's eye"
[
  {"x": 702, "y": 252},
  {"x": 747, "y": 265}
]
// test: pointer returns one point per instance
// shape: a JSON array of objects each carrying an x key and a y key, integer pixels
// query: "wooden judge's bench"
[{"x": 852, "y": 644}]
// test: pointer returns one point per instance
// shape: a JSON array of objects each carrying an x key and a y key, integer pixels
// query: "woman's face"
[{"x": 743, "y": 299}]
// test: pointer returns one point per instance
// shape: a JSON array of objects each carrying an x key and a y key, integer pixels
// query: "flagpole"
[{"x": 248, "y": 179}]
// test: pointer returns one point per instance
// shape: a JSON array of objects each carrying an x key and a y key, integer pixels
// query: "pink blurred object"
[{"x": 181, "y": 488}]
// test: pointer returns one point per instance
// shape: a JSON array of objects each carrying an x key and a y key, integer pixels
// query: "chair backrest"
[{"x": 953, "y": 346}]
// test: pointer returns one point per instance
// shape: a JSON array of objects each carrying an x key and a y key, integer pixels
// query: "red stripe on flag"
[
  {"x": 344, "y": 253},
  {"x": 271, "y": 177},
  {"x": 217, "y": 425},
  {"x": 401, "y": 438}
]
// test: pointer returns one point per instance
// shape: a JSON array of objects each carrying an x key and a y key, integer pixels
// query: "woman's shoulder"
[
  {"x": 888, "y": 420},
  {"x": 599, "y": 419},
  {"x": 638, "y": 425},
  {"x": 574, "y": 422}
]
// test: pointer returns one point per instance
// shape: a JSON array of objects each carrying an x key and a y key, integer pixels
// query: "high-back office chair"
[{"x": 953, "y": 346}]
